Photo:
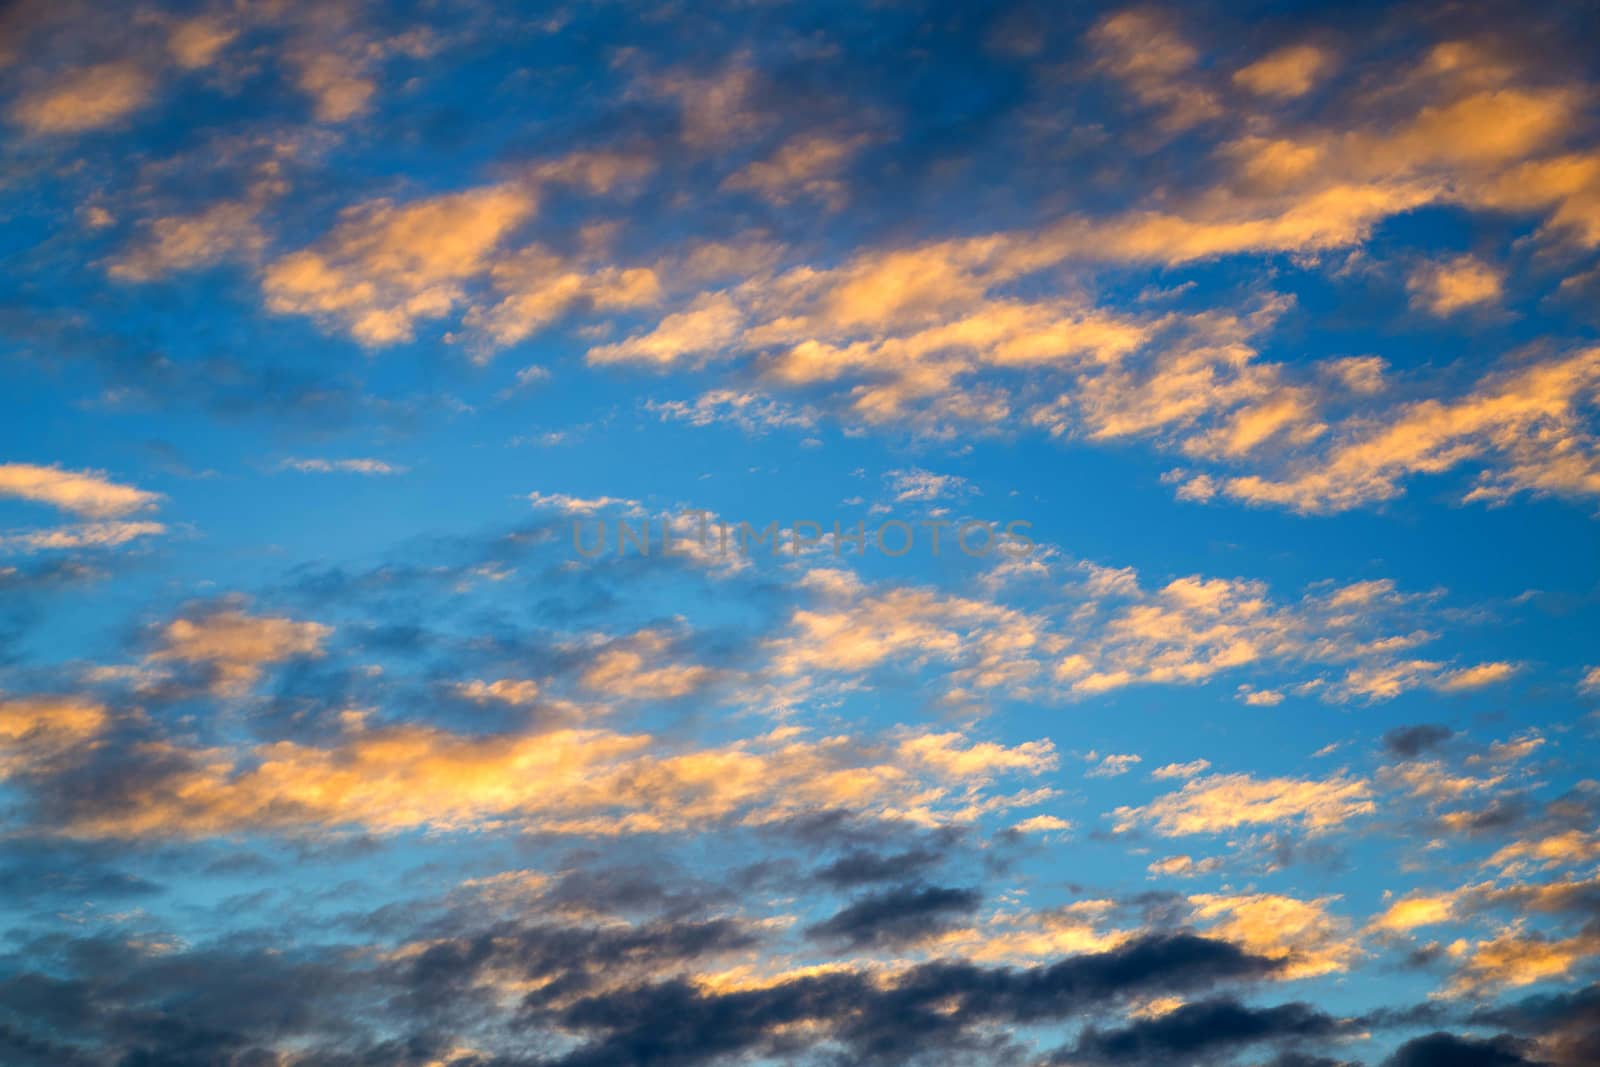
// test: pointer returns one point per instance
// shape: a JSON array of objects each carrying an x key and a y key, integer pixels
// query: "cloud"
[
  {"x": 344, "y": 466},
  {"x": 386, "y": 267},
  {"x": 1337, "y": 216},
  {"x": 950, "y": 754},
  {"x": 1440, "y": 1049},
  {"x": 859, "y": 867},
  {"x": 640, "y": 667},
  {"x": 1143, "y": 50},
  {"x": 337, "y": 84},
  {"x": 89, "y": 98},
  {"x": 897, "y": 917},
  {"x": 588, "y": 782},
  {"x": 518, "y": 691},
  {"x": 1548, "y": 850},
  {"x": 87, "y": 493},
  {"x": 1222, "y": 802},
  {"x": 1476, "y": 677},
  {"x": 1195, "y": 627},
  {"x": 1409, "y": 742},
  {"x": 1288, "y": 72},
  {"x": 1025, "y": 935},
  {"x": 903, "y": 331},
  {"x": 229, "y": 228},
  {"x": 1446, "y": 287},
  {"x": 1301, "y": 934},
  {"x": 1561, "y": 1026},
  {"x": 714, "y": 107},
  {"x": 536, "y": 288},
  {"x": 233, "y": 647},
  {"x": 583, "y": 505},
  {"x": 184, "y": 242},
  {"x": 805, "y": 165},
  {"x": 197, "y": 42},
  {"x": 1567, "y": 187},
  {"x": 1112, "y": 765},
  {"x": 1415, "y": 910},
  {"x": 1184, "y": 866},
  {"x": 936, "y": 1006},
  {"x": 704, "y": 330},
  {"x": 82, "y": 535},
  {"x": 901, "y": 335},
  {"x": 1181, "y": 770},
  {"x": 1517, "y": 958},
  {"x": 1528, "y": 421},
  {"x": 1192, "y": 1032},
  {"x": 750, "y": 412},
  {"x": 916, "y": 484},
  {"x": 36, "y": 731},
  {"x": 854, "y": 628},
  {"x": 1100, "y": 629}
]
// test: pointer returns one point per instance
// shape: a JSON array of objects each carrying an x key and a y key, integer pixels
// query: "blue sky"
[{"x": 326, "y": 328}]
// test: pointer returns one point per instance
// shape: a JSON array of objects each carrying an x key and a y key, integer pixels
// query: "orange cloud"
[
  {"x": 520, "y": 691},
  {"x": 806, "y": 165},
  {"x": 1301, "y": 933},
  {"x": 639, "y": 667},
  {"x": 1141, "y": 48},
  {"x": 1414, "y": 911},
  {"x": 85, "y": 99},
  {"x": 1447, "y": 287},
  {"x": 1529, "y": 421},
  {"x": 1517, "y": 958},
  {"x": 387, "y": 266},
  {"x": 36, "y": 731},
  {"x": 1222, "y": 802},
  {"x": 591, "y": 782},
  {"x": 1288, "y": 72},
  {"x": 196, "y": 42},
  {"x": 709, "y": 326},
  {"x": 237, "y": 646},
  {"x": 87, "y": 493}
]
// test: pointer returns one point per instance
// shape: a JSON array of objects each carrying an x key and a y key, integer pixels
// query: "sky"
[{"x": 799, "y": 533}]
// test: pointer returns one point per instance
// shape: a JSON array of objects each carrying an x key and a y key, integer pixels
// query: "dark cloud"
[
  {"x": 117, "y": 1002},
  {"x": 942, "y": 1005},
  {"x": 897, "y": 917},
  {"x": 123, "y": 1004},
  {"x": 1196, "y": 1032},
  {"x": 26, "y": 589},
  {"x": 113, "y": 1002},
  {"x": 861, "y": 867},
  {"x": 828, "y": 829},
  {"x": 1567, "y": 1025},
  {"x": 1409, "y": 742},
  {"x": 43, "y": 872},
  {"x": 1447, "y": 1050},
  {"x": 94, "y": 780},
  {"x": 21, "y": 1050},
  {"x": 569, "y": 959},
  {"x": 1501, "y": 813},
  {"x": 135, "y": 374},
  {"x": 1278, "y": 850},
  {"x": 635, "y": 889},
  {"x": 1301, "y": 1059}
]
